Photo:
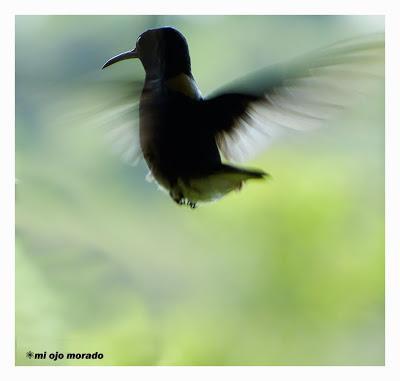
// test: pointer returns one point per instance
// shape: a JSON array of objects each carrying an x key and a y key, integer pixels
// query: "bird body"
[
  {"x": 182, "y": 134},
  {"x": 179, "y": 149},
  {"x": 185, "y": 85}
]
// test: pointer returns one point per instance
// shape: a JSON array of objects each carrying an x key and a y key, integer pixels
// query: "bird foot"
[
  {"x": 191, "y": 204},
  {"x": 180, "y": 200}
]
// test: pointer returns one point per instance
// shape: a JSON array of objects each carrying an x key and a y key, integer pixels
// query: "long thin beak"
[{"x": 120, "y": 57}]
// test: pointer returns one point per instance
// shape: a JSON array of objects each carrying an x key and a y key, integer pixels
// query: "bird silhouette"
[{"x": 183, "y": 134}]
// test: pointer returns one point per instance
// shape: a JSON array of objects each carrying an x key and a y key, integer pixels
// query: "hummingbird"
[{"x": 183, "y": 136}]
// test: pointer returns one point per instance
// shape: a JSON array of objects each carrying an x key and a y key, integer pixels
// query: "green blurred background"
[{"x": 288, "y": 272}]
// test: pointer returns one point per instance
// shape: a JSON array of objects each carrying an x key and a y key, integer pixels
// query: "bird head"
[{"x": 163, "y": 52}]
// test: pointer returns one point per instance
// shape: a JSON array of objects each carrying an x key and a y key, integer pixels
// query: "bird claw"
[
  {"x": 184, "y": 201},
  {"x": 191, "y": 204}
]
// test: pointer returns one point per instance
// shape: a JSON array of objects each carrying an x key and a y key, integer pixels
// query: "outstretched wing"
[{"x": 300, "y": 95}]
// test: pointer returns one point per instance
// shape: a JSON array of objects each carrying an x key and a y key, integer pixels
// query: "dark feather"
[{"x": 248, "y": 114}]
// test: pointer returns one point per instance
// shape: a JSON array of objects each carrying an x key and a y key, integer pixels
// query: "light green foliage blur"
[{"x": 286, "y": 272}]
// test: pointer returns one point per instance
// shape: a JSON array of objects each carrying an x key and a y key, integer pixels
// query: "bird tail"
[
  {"x": 242, "y": 173},
  {"x": 220, "y": 182}
]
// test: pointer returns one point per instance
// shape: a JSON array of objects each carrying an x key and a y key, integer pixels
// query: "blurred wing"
[
  {"x": 300, "y": 95},
  {"x": 117, "y": 115}
]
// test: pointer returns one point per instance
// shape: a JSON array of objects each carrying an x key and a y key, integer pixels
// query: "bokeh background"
[{"x": 288, "y": 272}]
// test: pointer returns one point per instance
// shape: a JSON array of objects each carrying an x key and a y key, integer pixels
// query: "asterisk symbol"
[{"x": 29, "y": 354}]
